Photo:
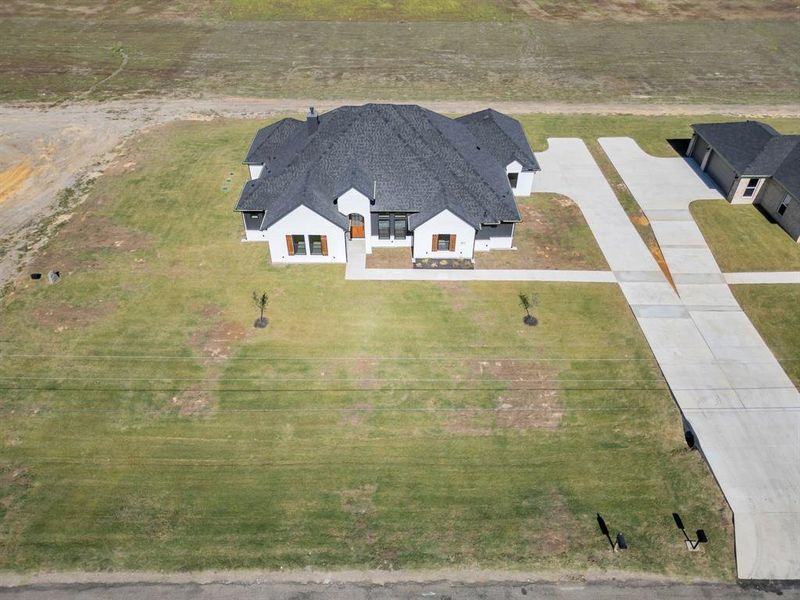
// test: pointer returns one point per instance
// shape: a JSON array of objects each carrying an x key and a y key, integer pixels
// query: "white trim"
[
  {"x": 706, "y": 157},
  {"x": 255, "y": 171},
  {"x": 692, "y": 144}
]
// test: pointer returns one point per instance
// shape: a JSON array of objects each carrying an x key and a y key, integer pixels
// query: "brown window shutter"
[
  {"x": 289, "y": 245},
  {"x": 452, "y": 242},
  {"x": 435, "y": 243},
  {"x": 324, "y": 243}
]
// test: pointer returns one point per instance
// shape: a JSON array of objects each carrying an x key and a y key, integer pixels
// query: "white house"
[{"x": 392, "y": 175}]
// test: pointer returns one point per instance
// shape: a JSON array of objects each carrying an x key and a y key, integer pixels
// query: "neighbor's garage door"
[{"x": 720, "y": 172}]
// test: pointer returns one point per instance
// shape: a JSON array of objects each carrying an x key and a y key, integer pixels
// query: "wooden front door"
[{"x": 356, "y": 226}]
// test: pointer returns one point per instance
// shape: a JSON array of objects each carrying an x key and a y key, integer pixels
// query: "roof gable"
[{"x": 502, "y": 136}]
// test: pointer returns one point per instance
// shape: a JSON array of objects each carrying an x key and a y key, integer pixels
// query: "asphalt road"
[{"x": 422, "y": 591}]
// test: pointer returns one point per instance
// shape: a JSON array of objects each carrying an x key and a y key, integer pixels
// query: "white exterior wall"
[
  {"x": 304, "y": 221},
  {"x": 496, "y": 243},
  {"x": 503, "y": 243},
  {"x": 524, "y": 179},
  {"x": 353, "y": 201},
  {"x": 443, "y": 223},
  {"x": 738, "y": 194},
  {"x": 255, "y": 171}
]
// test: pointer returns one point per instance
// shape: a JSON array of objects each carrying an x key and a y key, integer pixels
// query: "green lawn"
[
  {"x": 742, "y": 238},
  {"x": 146, "y": 425},
  {"x": 773, "y": 309}
]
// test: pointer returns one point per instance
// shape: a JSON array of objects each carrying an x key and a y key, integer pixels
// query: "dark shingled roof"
[
  {"x": 755, "y": 149},
  {"x": 751, "y": 147},
  {"x": 502, "y": 136},
  {"x": 788, "y": 174},
  {"x": 414, "y": 159}
]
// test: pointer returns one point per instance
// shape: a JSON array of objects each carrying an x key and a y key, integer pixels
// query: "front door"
[{"x": 356, "y": 226}]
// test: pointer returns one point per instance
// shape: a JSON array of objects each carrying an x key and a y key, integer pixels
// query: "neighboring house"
[
  {"x": 752, "y": 163},
  {"x": 394, "y": 175}
]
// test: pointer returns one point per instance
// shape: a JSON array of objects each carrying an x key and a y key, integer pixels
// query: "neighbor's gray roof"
[
  {"x": 749, "y": 146},
  {"x": 417, "y": 161},
  {"x": 788, "y": 174}
]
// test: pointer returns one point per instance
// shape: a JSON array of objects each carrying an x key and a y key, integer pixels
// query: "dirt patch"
[
  {"x": 12, "y": 179},
  {"x": 80, "y": 240},
  {"x": 358, "y": 501},
  {"x": 356, "y": 414},
  {"x": 60, "y": 316},
  {"x": 193, "y": 403},
  {"x": 530, "y": 402},
  {"x": 523, "y": 410},
  {"x": 216, "y": 340},
  {"x": 213, "y": 341},
  {"x": 468, "y": 421},
  {"x": 552, "y": 235},
  {"x": 389, "y": 258}
]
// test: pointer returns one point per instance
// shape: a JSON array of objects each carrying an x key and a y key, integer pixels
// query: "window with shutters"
[
  {"x": 299, "y": 244},
  {"x": 315, "y": 243},
  {"x": 443, "y": 242},
  {"x": 750, "y": 189}
]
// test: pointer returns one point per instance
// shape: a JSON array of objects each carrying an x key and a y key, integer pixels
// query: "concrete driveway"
[{"x": 741, "y": 405}]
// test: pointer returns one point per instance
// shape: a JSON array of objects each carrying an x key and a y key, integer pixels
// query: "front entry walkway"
[{"x": 742, "y": 406}]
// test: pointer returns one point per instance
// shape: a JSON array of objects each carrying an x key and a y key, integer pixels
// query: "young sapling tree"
[
  {"x": 527, "y": 303},
  {"x": 260, "y": 302}
]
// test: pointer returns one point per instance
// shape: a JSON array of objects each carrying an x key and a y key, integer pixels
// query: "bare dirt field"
[{"x": 58, "y": 59}]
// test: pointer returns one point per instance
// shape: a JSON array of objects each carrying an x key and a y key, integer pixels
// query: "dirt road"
[
  {"x": 44, "y": 149},
  {"x": 372, "y": 585}
]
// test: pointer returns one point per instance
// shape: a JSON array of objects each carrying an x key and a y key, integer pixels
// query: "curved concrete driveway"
[{"x": 743, "y": 408}]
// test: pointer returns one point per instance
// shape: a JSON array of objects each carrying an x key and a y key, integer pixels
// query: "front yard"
[
  {"x": 145, "y": 424},
  {"x": 775, "y": 312}
]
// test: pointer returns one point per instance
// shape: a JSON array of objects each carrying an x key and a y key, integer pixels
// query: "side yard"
[
  {"x": 742, "y": 238},
  {"x": 146, "y": 425},
  {"x": 552, "y": 235}
]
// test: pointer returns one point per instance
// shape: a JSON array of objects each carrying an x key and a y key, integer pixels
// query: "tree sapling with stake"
[
  {"x": 260, "y": 302},
  {"x": 528, "y": 302}
]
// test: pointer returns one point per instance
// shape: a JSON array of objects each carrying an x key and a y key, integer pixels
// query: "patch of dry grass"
[{"x": 552, "y": 235}]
